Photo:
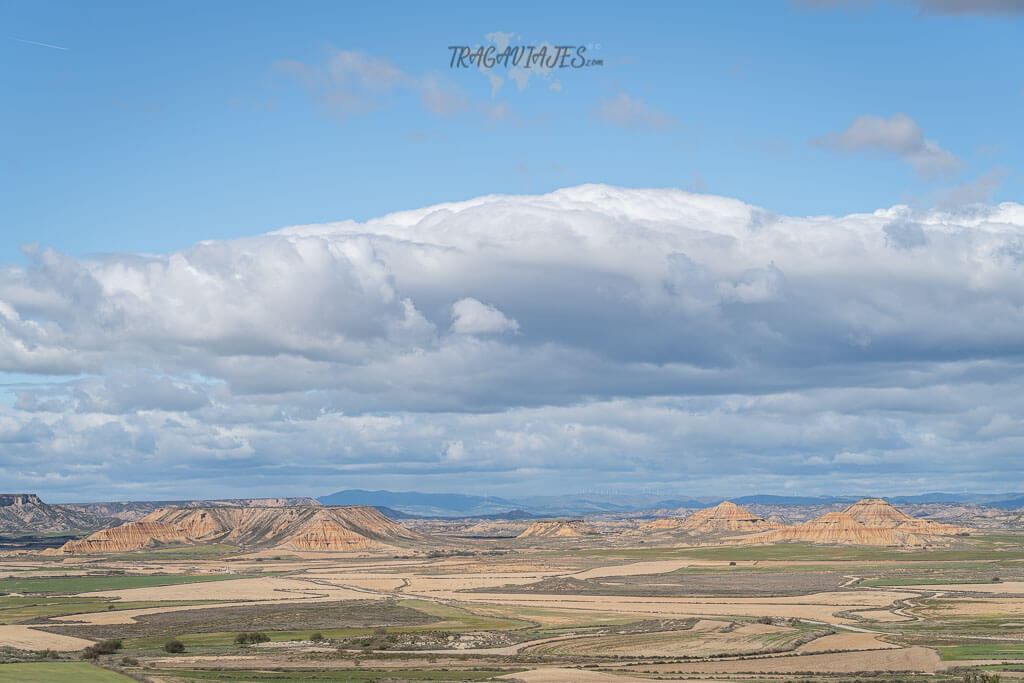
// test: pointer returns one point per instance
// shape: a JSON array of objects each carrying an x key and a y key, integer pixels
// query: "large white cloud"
[{"x": 604, "y": 334}]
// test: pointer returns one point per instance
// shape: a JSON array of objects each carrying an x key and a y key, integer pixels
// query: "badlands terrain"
[{"x": 287, "y": 589}]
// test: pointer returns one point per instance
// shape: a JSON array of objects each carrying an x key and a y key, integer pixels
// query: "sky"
[{"x": 750, "y": 247}]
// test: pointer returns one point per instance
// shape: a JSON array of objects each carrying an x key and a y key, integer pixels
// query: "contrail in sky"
[{"x": 35, "y": 42}]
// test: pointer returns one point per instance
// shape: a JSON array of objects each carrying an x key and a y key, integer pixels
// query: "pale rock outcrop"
[
  {"x": 725, "y": 516},
  {"x": 870, "y": 522},
  {"x": 879, "y": 513},
  {"x": 556, "y": 528},
  {"x": 353, "y": 527}
]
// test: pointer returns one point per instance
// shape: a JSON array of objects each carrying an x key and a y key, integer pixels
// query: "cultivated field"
[{"x": 552, "y": 609}]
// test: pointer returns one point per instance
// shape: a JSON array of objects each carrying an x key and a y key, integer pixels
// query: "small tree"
[
  {"x": 981, "y": 677},
  {"x": 109, "y": 646},
  {"x": 174, "y": 646}
]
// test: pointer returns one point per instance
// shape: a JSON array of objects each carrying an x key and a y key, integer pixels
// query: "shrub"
[
  {"x": 981, "y": 677},
  {"x": 174, "y": 646},
  {"x": 104, "y": 647},
  {"x": 108, "y": 647},
  {"x": 766, "y": 620},
  {"x": 129, "y": 661},
  {"x": 251, "y": 638},
  {"x": 316, "y": 637}
]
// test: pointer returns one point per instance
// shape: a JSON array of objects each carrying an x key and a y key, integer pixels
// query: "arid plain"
[{"x": 278, "y": 591}]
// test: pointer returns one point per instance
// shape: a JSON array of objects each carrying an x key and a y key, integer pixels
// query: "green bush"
[
  {"x": 981, "y": 677},
  {"x": 251, "y": 638},
  {"x": 316, "y": 637},
  {"x": 109, "y": 646},
  {"x": 129, "y": 661},
  {"x": 104, "y": 647},
  {"x": 174, "y": 646}
]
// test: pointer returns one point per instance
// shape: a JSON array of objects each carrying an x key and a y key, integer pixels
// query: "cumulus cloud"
[
  {"x": 630, "y": 112},
  {"x": 898, "y": 135},
  {"x": 470, "y": 316},
  {"x": 586, "y": 334}
]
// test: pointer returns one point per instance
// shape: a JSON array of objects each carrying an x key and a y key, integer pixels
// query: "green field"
[
  {"x": 85, "y": 584},
  {"x": 982, "y": 651},
  {"x": 449, "y": 619},
  {"x": 994, "y": 547},
  {"x": 919, "y": 581},
  {"x": 206, "y": 551},
  {"x": 58, "y": 672}
]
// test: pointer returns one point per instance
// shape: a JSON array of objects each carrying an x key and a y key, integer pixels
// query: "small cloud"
[
  {"x": 899, "y": 135},
  {"x": 440, "y": 97},
  {"x": 965, "y": 7},
  {"x": 470, "y": 316},
  {"x": 848, "y": 458},
  {"x": 976, "y": 191},
  {"x": 943, "y": 7},
  {"x": 631, "y": 112},
  {"x": 455, "y": 451},
  {"x": 354, "y": 82}
]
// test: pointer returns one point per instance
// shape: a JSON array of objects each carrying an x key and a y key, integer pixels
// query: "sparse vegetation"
[
  {"x": 174, "y": 646},
  {"x": 251, "y": 638}
]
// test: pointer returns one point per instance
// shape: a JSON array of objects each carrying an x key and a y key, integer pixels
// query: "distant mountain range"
[{"x": 462, "y": 505}]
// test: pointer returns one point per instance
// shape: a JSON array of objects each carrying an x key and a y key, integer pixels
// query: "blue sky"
[
  {"x": 763, "y": 248},
  {"x": 162, "y": 124}
]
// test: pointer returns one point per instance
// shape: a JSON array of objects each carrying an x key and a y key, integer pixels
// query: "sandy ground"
[
  {"x": 918, "y": 659},
  {"x": 637, "y": 568},
  {"x": 438, "y": 584},
  {"x": 25, "y": 638},
  {"x": 127, "y": 616},
  {"x": 709, "y": 625},
  {"x": 819, "y": 606},
  {"x": 556, "y": 675},
  {"x": 975, "y": 607},
  {"x": 845, "y": 641},
  {"x": 263, "y": 588},
  {"x": 1006, "y": 587},
  {"x": 883, "y": 615}
]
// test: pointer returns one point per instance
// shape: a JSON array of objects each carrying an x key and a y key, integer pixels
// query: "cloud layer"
[{"x": 591, "y": 336}]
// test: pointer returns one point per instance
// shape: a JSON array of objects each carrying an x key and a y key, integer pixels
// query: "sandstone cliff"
[
  {"x": 556, "y": 527},
  {"x": 664, "y": 524},
  {"x": 133, "y": 511},
  {"x": 25, "y": 513},
  {"x": 725, "y": 516},
  {"x": 879, "y": 513},
  {"x": 297, "y": 528},
  {"x": 870, "y": 521}
]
